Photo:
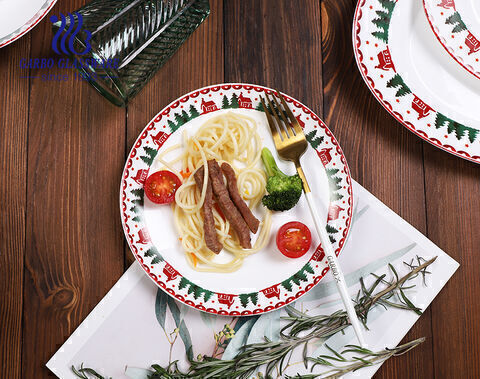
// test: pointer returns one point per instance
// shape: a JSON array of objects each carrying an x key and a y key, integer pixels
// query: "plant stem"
[{"x": 401, "y": 281}]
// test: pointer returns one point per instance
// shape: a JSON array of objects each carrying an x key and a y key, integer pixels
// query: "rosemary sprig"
[
  {"x": 87, "y": 373},
  {"x": 369, "y": 358},
  {"x": 302, "y": 328}
]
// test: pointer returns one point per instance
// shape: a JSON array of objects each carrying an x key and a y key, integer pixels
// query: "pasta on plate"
[{"x": 231, "y": 138}]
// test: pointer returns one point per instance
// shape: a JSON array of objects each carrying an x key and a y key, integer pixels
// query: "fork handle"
[{"x": 334, "y": 264}]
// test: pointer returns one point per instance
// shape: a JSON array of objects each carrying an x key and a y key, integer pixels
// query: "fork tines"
[{"x": 286, "y": 123}]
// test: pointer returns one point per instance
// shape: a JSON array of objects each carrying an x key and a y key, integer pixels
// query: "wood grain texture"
[
  {"x": 74, "y": 249},
  {"x": 198, "y": 63},
  {"x": 63, "y": 147},
  {"x": 453, "y": 209},
  {"x": 383, "y": 156},
  {"x": 277, "y": 44},
  {"x": 13, "y": 155}
]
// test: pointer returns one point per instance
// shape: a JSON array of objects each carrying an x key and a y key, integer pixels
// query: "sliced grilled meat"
[
  {"x": 252, "y": 222},
  {"x": 229, "y": 209},
  {"x": 209, "y": 232}
]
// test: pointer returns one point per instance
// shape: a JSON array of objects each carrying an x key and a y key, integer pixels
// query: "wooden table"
[{"x": 63, "y": 147}]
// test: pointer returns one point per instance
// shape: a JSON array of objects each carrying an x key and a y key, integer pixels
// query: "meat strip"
[
  {"x": 252, "y": 222},
  {"x": 209, "y": 232},
  {"x": 229, "y": 209}
]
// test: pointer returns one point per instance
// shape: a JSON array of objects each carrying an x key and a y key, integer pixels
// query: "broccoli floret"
[{"x": 283, "y": 191}]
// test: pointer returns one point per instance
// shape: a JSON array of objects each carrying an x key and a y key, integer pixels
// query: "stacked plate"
[
  {"x": 17, "y": 17},
  {"x": 423, "y": 66}
]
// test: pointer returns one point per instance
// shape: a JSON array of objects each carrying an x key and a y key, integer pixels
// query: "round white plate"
[
  {"x": 17, "y": 17},
  {"x": 447, "y": 19},
  {"x": 267, "y": 280},
  {"x": 414, "y": 78}
]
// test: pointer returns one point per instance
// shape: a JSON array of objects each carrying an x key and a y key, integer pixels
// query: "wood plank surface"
[
  {"x": 198, "y": 63},
  {"x": 383, "y": 156},
  {"x": 63, "y": 147},
  {"x": 13, "y": 184},
  {"x": 453, "y": 216},
  {"x": 265, "y": 45},
  {"x": 74, "y": 249}
]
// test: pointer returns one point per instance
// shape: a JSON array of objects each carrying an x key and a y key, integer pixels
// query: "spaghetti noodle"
[{"x": 232, "y": 138}]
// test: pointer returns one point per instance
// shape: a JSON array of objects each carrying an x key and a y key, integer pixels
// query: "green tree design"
[
  {"x": 153, "y": 252},
  {"x": 382, "y": 15},
  {"x": 383, "y": 20},
  {"x": 259, "y": 107},
  {"x": 335, "y": 196},
  {"x": 172, "y": 126},
  {"x": 225, "y": 103},
  {"x": 135, "y": 209},
  {"x": 245, "y": 297},
  {"x": 300, "y": 276},
  {"x": 184, "y": 282},
  {"x": 334, "y": 183},
  {"x": 234, "y": 101},
  {"x": 441, "y": 120},
  {"x": 383, "y": 35},
  {"x": 472, "y": 134},
  {"x": 397, "y": 82},
  {"x": 197, "y": 291},
  {"x": 456, "y": 19},
  {"x": 138, "y": 202},
  {"x": 453, "y": 126},
  {"x": 150, "y": 155},
  {"x": 137, "y": 192},
  {"x": 313, "y": 140},
  {"x": 193, "y": 112},
  {"x": 331, "y": 229},
  {"x": 185, "y": 116},
  {"x": 388, "y": 5},
  {"x": 179, "y": 120}
]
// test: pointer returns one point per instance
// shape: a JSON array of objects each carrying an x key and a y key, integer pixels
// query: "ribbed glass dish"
[{"x": 118, "y": 45}]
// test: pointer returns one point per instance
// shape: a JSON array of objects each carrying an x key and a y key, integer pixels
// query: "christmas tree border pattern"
[
  {"x": 397, "y": 82},
  {"x": 234, "y": 101},
  {"x": 197, "y": 291},
  {"x": 246, "y": 297},
  {"x": 137, "y": 202},
  {"x": 259, "y": 107},
  {"x": 456, "y": 19},
  {"x": 231, "y": 103},
  {"x": 182, "y": 118},
  {"x": 453, "y": 126},
  {"x": 150, "y": 154},
  {"x": 153, "y": 252},
  {"x": 334, "y": 183},
  {"x": 298, "y": 277},
  {"x": 225, "y": 102},
  {"x": 383, "y": 20},
  {"x": 313, "y": 140}
]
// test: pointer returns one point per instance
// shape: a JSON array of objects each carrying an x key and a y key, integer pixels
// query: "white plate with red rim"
[
  {"x": 17, "y": 17},
  {"x": 415, "y": 78},
  {"x": 448, "y": 20},
  {"x": 267, "y": 280}
]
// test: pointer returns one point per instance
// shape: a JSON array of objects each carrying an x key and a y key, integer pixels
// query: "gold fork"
[{"x": 291, "y": 143}]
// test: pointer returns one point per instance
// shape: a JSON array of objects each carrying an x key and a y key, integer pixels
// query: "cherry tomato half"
[
  {"x": 160, "y": 187},
  {"x": 294, "y": 239}
]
